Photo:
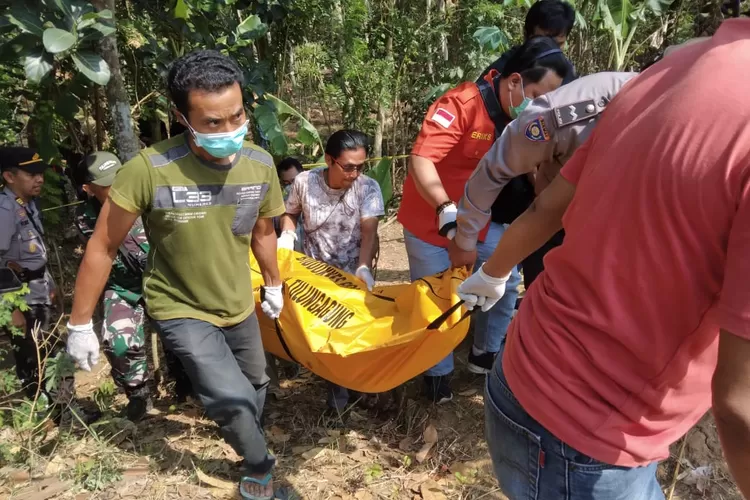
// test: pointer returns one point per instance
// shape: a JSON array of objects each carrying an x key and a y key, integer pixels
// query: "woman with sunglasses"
[
  {"x": 340, "y": 210},
  {"x": 457, "y": 132}
]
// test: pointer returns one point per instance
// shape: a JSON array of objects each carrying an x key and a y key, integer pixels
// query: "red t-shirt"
[
  {"x": 616, "y": 342},
  {"x": 456, "y": 133}
]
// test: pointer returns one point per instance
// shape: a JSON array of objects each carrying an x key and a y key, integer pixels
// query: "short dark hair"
[
  {"x": 287, "y": 163},
  {"x": 346, "y": 140},
  {"x": 554, "y": 17},
  {"x": 206, "y": 70},
  {"x": 535, "y": 58}
]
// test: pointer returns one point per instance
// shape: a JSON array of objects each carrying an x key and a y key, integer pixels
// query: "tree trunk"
[
  {"x": 98, "y": 116},
  {"x": 117, "y": 95},
  {"x": 292, "y": 72},
  {"x": 441, "y": 5},
  {"x": 377, "y": 146},
  {"x": 428, "y": 18}
]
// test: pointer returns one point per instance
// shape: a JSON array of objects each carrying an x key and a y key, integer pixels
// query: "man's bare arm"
[
  {"x": 427, "y": 181},
  {"x": 264, "y": 249},
  {"x": 288, "y": 222},
  {"x": 112, "y": 226},
  {"x": 532, "y": 229},
  {"x": 731, "y": 405},
  {"x": 369, "y": 246}
]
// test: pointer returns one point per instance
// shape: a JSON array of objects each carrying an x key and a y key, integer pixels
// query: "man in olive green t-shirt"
[{"x": 206, "y": 197}]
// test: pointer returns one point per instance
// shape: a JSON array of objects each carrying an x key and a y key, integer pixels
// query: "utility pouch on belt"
[{"x": 26, "y": 275}]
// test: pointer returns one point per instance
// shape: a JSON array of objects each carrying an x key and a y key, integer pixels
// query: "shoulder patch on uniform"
[
  {"x": 536, "y": 130},
  {"x": 258, "y": 155},
  {"x": 443, "y": 117},
  {"x": 575, "y": 112},
  {"x": 173, "y": 154}
]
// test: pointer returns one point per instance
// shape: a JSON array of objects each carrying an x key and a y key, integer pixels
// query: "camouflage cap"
[{"x": 100, "y": 168}]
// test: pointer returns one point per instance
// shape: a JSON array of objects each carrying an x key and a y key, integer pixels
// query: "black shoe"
[
  {"x": 481, "y": 364},
  {"x": 72, "y": 415},
  {"x": 438, "y": 389},
  {"x": 183, "y": 390},
  {"x": 138, "y": 407}
]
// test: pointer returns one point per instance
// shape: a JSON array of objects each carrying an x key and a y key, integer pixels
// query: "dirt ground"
[{"x": 407, "y": 450}]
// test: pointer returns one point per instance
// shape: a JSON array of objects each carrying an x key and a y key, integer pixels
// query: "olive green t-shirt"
[{"x": 198, "y": 218}]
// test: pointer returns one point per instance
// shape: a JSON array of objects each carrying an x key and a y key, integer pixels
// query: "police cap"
[{"x": 25, "y": 159}]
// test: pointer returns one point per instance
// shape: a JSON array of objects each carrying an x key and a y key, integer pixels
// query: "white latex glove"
[
  {"x": 83, "y": 345},
  {"x": 447, "y": 221},
  {"x": 286, "y": 240},
  {"x": 364, "y": 274},
  {"x": 273, "y": 301},
  {"x": 483, "y": 290}
]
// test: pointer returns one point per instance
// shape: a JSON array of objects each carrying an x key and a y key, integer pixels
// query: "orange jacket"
[{"x": 456, "y": 133}]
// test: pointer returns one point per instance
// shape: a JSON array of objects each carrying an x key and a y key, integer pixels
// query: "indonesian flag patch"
[{"x": 443, "y": 117}]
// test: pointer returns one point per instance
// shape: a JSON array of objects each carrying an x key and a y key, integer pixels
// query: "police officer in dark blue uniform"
[{"x": 22, "y": 248}]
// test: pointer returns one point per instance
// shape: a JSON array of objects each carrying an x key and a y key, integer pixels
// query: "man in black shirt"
[
  {"x": 552, "y": 18},
  {"x": 555, "y": 19}
]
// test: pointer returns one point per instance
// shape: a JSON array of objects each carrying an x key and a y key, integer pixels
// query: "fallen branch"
[{"x": 677, "y": 467}]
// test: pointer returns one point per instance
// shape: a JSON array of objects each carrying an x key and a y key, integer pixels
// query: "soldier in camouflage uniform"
[{"x": 123, "y": 334}]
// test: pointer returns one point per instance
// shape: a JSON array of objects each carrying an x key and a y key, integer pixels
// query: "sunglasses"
[{"x": 351, "y": 168}]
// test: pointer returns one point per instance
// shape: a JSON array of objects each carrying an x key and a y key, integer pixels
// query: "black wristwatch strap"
[{"x": 442, "y": 206}]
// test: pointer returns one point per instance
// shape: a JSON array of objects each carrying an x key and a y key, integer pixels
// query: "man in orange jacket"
[{"x": 458, "y": 130}]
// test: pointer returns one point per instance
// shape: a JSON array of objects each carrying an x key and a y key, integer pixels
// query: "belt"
[{"x": 27, "y": 275}]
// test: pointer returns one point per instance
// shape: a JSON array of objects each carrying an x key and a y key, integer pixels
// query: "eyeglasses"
[{"x": 351, "y": 168}]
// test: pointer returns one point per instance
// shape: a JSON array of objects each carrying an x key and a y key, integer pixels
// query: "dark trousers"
[
  {"x": 48, "y": 345},
  {"x": 533, "y": 265},
  {"x": 338, "y": 396},
  {"x": 226, "y": 367}
]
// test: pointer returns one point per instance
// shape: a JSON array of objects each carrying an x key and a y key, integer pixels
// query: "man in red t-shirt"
[{"x": 642, "y": 316}]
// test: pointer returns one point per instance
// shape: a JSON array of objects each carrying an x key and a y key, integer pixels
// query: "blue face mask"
[
  {"x": 517, "y": 110},
  {"x": 222, "y": 144}
]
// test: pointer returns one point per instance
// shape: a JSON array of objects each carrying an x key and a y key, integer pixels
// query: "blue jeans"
[
  {"x": 489, "y": 328},
  {"x": 532, "y": 464}
]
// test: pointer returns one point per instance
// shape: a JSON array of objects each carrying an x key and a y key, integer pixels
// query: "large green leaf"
[
  {"x": 57, "y": 40},
  {"x": 491, "y": 38},
  {"x": 6, "y": 25},
  {"x": 29, "y": 21},
  {"x": 252, "y": 27},
  {"x": 608, "y": 20},
  {"x": 382, "y": 174},
  {"x": 37, "y": 65},
  {"x": 266, "y": 118},
  {"x": 65, "y": 7},
  {"x": 308, "y": 134},
  {"x": 103, "y": 29},
  {"x": 67, "y": 107},
  {"x": 106, "y": 14},
  {"x": 80, "y": 8},
  {"x": 92, "y": 66},
  {"x": 658, "y": 6},
  {"x": 20, "y": 45},
  {"x": 181, "y": 10}
]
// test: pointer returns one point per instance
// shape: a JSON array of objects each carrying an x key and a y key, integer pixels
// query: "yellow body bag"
[{"x": 366, "y": 341}]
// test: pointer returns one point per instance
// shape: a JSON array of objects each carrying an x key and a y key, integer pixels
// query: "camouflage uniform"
[{"x": 123, "y": 334}]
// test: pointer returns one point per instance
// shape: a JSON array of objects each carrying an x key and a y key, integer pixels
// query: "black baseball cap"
[{"x": 25, "y": 159}]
